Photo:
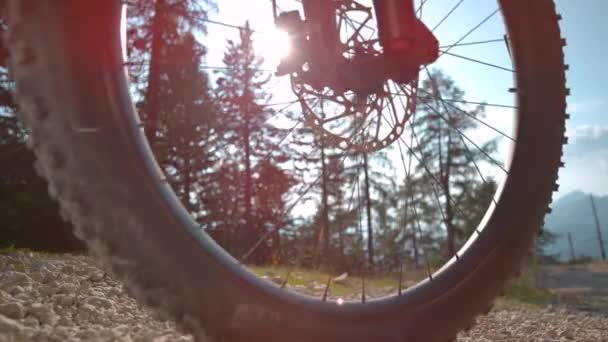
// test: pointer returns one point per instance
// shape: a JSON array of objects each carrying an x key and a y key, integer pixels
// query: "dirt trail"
[{"x": 583, "y": 286}]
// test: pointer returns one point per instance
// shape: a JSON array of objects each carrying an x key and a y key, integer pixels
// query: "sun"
[{"x": 272, "y": 45}]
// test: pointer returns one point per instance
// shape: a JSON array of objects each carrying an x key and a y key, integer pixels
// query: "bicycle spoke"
[
  {"x": 426, "y": 258},
  {"x": 237, "y": 27},
  {"x": 445, "y": 52},
  {"x": 400, "y": 288},
  {"x": 485, "y": 104},
  {"x": 468, "y": 151},
  {"x": 207, "y": 67},
  {"x": 447, "y": 15},
  {"x": 435, "y": 181},
  {"x": 473, "y": 117},
  {"x": 286, "y": 279},
  {"x": 363, "y": 288},
  {"x": 419, "y": 10},
  {"x": 300, "y": 196},
  {"x": 326, "y": 291},
  {"x": 360, "y": 235},
  {"x": 469, "y": 140},
  {"x": 475, "y": 28},
  {"x": 425, "y": 166},
  {"x": 407, "y": 201},
  {"x": 481, "y": 42},
  {"x": 289, "y": 133},
  {"x": 286, "y": 103}
]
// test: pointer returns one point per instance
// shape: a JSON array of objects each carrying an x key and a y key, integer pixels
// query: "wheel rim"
[{"x": 446, "y": 103}]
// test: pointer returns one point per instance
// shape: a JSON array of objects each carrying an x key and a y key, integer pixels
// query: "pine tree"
[
  {"x": 248, "y": 138},
  {"x": 173, "y": 93},
  {"x": 189, "y": 115},
  {"x": 475, "y": 201},
  {"x": 448, "y": 165},
  {"x": 153, "y": 26},
  {"x": 30, "y": 218},
  {"x": 222, "y": 213},
  {"x": 271, "y": 185}
]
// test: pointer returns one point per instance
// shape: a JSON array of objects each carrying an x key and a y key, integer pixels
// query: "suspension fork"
[
  {"x": 399, "y": 30},
  {"x": 323, "y": 32},
  {"x": 406, "y": 41},
  {"x": 397, "y": 23}
]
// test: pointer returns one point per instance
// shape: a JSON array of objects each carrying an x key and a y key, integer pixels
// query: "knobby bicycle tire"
[{"x": 68, "y": 64}]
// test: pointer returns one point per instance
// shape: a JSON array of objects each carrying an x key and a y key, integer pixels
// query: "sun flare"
[{"x": 273, "y": 46}]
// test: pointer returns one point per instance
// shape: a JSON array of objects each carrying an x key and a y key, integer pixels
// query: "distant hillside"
[{"x": 573, "y": 214}]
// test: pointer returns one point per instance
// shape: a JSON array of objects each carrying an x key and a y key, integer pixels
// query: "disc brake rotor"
[{"x": 360, "y": 112}]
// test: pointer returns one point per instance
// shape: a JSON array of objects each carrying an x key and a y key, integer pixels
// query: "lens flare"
[
  {"x": 273, "y": 46},
  {"x": 281, "y": 43}
]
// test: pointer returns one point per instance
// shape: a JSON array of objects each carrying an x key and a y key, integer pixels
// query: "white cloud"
[
  {"x": 587, "y": 106},
  {"x": 588, "y": 132},
  {"x": 587, "y": 173},
  {"x": 586, "y": 160},
  {"x": 604, "y": 166}
]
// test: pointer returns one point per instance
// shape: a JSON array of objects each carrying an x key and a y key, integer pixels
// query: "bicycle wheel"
[{"x": 68, "y": 62}]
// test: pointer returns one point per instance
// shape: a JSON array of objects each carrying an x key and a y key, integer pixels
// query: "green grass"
[
  {"x": 521, "y": 292},
  {"x": 19, "y": 266},
  {"x": 525, "y": 289},
  {"x": 10, "y": 249},
  {"x": 313, "y": 282}
]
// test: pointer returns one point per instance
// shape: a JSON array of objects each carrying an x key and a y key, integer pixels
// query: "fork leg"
[
  {"x": 396, "y": 22},
  {"x": 323, "y": 32}
]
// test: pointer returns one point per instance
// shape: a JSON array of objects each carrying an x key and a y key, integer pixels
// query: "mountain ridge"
[{"x": 573, "y": 214}]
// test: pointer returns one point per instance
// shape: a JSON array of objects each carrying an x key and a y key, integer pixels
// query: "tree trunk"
[
  {"x": 248, "y": 184},
  {"x": 368, "y": 204},
  {"x": 341, "y": 242},
  {"x": 153, "y": 89},
  {"x": 449, "y": 212},
  {"x": 406, "y": 221},
  {"x": 415, "y": 246},
  {"x": 322, "y": 248},
  {"x": 189, "y": 177},
  {"x": 277, "y": 244}
]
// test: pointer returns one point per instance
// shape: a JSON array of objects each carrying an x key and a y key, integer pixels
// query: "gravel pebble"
[
  {"x": 539, "y": 325},
  {"x": 44, "y": 313},
  {"x": 11, "y": 278},
  {"x": 69, "y": 298},
  {"x": 12, "y": 310}
]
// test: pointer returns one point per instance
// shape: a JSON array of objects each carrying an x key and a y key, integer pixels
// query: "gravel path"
[
  {"x": 587, "y": 284},
  {"x": 70, "y": 298}
]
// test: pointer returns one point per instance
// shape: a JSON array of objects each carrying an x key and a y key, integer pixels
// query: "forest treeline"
[{"x": 268, "y": 194}]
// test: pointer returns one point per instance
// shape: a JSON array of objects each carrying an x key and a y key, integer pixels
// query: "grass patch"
[
  {"x": 525, "y": 289},
  {"x": 313, "y": 282},
  {"x": 529, "y": 294},
  {"x": 11, "y": 250},
  {"x": 6, "y": 250},
  {"x": 521, "y": 292},
  {"x": 18, "y": 265}
]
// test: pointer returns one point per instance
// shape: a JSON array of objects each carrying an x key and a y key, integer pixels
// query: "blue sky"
[{"x": 584, "y": 26}]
